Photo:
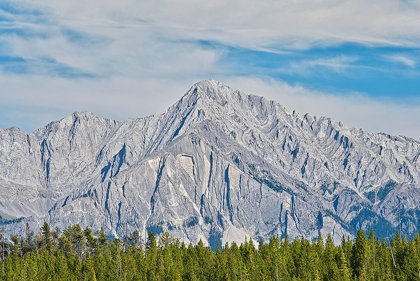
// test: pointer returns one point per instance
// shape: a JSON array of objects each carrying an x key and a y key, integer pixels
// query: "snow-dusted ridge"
[{"x": 217, "y": 165}]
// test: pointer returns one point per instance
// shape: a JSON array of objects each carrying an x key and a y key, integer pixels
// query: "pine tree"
[
  {"x": 46, "y": 238},
  {"x": 91, "y": 242},
  {"x": 411, "y": 262},
  {"x": 358, "y": 258},
  {"x": 29, "y": 240},
  {"x": 166, "y": 240},
  {"x": 331, "y": 271},
  {"x": 102, "y": 239},
  {"x": 384, "y": 261},
  {"x": 343, "y": 266},
  {"x": 287, "y": 268},
  {"x": 371, "y": 255},
  {"x": 75, "y": 235},
  {"x": 151, "y": 257}
]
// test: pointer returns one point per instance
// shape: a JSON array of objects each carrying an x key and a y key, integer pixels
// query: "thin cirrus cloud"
[
  {"x": 405, "y": 60},
  {"x": 340, "y": 64},
  {"x": 131, "y": 58}
]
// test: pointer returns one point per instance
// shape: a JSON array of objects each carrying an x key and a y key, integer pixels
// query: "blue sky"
[{"x": 355, "y": 61}]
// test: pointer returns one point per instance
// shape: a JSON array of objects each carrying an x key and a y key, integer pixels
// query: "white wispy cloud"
[
  {"x": 133, "y": 30},
  {"x": 144, "y": 55},
  {"x": 404, "y": 59},
  {"x": 337, "y": 64}
]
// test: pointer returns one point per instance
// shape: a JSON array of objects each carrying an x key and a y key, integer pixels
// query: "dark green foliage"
[{"x": 81, "y": 254}]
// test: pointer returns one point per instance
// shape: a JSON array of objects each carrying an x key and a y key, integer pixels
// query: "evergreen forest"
[{"x": 83, "y": 254}]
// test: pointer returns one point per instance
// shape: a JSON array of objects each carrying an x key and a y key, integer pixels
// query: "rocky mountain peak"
[
  {"x": 218, "y": 101},
  {"x": 218, "y": 165}
]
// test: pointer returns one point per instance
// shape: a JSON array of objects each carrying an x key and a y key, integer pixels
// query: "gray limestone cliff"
[{"x": 219, "y": 165}]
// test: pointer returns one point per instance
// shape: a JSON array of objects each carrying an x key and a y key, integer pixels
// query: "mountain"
[{"x": 219, "y": 165}]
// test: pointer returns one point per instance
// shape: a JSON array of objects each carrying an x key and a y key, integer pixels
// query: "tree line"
[{"x": 83, "y": 254}]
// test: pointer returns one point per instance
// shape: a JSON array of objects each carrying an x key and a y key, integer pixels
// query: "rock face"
[{"x": 218, "y": 165}]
